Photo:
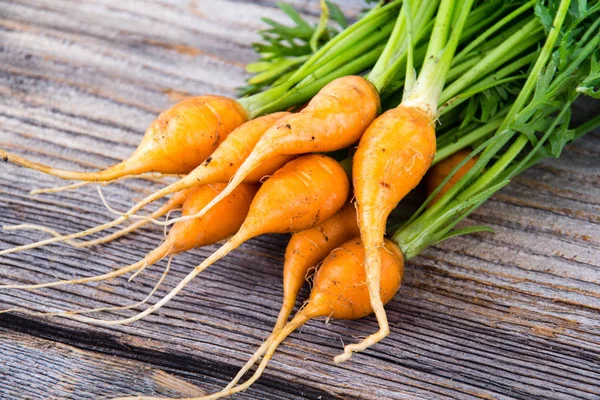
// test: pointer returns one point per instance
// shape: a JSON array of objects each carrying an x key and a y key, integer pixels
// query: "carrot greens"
[{"x": 535, "y": 127}]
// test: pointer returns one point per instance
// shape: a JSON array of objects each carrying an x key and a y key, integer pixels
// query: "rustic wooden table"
[{"x": 513, "y": 315}]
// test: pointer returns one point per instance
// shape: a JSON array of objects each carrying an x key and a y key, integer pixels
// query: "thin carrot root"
[
  {"x": 40, "y": 228},
  {"x": 121, "y": 232},
  {"x": 58, "y": 189},
  {"x": 95, "y": 310},
  {"x": 153, "y": 257},
  {"x": 152, "y": 177},
  {"x": 253, "y": 360},
  {"x": 145, "y": 218}
]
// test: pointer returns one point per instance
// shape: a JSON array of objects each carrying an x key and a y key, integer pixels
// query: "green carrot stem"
[
  {"x": 438, "y": 59},
  {"x": 491, "y": 81},
  {"x": 481, "y": 17},
  {"x": 410, "y": 235},
  {"x": 531, "y": 33},
  {"x": 393, "y": 56},
  {"x": 489, "y": 32},
  {"x": 467, "y": 140},
  {"x": 587, "y": 127}
]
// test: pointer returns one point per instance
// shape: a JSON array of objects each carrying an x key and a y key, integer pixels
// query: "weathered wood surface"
[{"x": 515, "y": 315}]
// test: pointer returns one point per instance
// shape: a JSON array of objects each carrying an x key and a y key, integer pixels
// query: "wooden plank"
[
  {"x": 507, "y": 316},
  {"x": 40, "y": 365},
  {"x": 59, "y": 371}
]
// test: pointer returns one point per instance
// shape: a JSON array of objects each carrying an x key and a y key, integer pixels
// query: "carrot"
[
  {"x": 300, "y": 195},
  {"x": 397, "y": 149},
  {"x": 209, "y": 229},
  {"x": 185, "y": 135},
  {"x": 305, "y": 250},
  {"x": 176, "y": 142},
  {"x": 308, "y": 248},
  {"x": 339, "y": 291},
  {"x": 334, "y": 119},
  {"x": 218, "y": 167},
  {"x": 438, "y": 174}
]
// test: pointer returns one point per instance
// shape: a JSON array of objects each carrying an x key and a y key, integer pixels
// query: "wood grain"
[{"x": 513, "y": 315}]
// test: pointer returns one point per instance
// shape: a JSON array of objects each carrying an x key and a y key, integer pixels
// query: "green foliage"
[
  {"x": 285, "y": 47},
  {"x": 535, "y": 129}
]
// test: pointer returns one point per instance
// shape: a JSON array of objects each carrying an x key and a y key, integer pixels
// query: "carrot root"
[
  {"x": 153, "y": 257},
  {"x": 152, "y": 177},
  {"x": 94, "y": 310},
  {"x": 229, "y": 246}
]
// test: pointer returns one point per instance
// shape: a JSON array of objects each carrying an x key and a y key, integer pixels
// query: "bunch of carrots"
[{"x": 336, "y": 132}]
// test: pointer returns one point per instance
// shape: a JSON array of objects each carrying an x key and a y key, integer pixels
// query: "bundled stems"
[{"x": 486, "y": 177}]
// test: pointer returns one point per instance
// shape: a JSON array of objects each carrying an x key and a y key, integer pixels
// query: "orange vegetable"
[
  {"x": 305, "y": 192},
  {"x": 437, "y": 174},
  {"x": 395, "y": 152},
  {"x": 178, "y": 140},
  {"x": 219, "y": 167},
  {"x": 391, "y": 159},
  {"x": 334, "y": 119}
]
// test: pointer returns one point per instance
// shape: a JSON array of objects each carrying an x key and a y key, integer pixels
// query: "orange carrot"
[
  {"x": 306, "y": 250},
  {"x": 218, "y": 167},
  {"x": 334, "y": 119},
  {"x": 209, "y": 229},
  {"x": 391, "y": 159},
  {"x": 397, "y": 149},
  {"x": 438, "y": 173},
  {"x": 339, "y": 291},
  {"x": 305, "y": 192},
  {"x": 175, "y": 143}
]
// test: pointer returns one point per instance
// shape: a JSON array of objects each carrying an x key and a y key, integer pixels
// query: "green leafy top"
[
  {"x": 535, "y": 127},
  {"x": 285, "y": 47}
]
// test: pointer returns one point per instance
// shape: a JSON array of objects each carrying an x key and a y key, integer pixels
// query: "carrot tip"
[{"x": 342, "y": 357}]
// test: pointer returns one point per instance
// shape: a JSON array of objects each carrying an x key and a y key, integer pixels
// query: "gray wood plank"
[
  {"x": 49, "y": 368},
  {"x": 514, "y": 315}
]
